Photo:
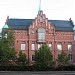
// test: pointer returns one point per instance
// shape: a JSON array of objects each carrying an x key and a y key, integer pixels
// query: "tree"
[
  {"x": 7, "y": 50},
  {"x": 43, "y": 56},
  {"x": 62, "y": 58},
  {"x": 22, "y": 58}
]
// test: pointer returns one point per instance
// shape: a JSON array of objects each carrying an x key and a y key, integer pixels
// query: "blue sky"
[{"x": 28, "y": 9}]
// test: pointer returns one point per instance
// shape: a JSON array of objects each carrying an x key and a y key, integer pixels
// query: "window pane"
[
  {"x": 33, "y": 46},
  {"x": 22, "y": 46},
  {"x": 59, "y": 47},
  {"x": 39, "y": 46},
  {"x": 50, "y": 46},
  {"x": 70, "y": 47},
  {"x": 41, "y": 34},
  {"x": 70, "y": 57},
  {"x": 33, "y": 57}
]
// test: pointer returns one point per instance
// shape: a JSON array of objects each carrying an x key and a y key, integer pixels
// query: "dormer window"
[{"x": 41, "y": 34}]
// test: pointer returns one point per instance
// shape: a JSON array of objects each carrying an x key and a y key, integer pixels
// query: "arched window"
[{"x": 41, "y": 34}]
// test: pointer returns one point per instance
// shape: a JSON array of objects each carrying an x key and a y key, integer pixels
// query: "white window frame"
[
  {"x": 41, "y": 34},
  {"x": 59, "y": 46},
  {"x": 23, "y": 46},
  {"x": 33, "y": 46},
  {"x": 39, "y": 46},
  {"x": 70, "y": 57},
  {"x": 50, "y": 46},
  {"x": 70, "y": 47}
]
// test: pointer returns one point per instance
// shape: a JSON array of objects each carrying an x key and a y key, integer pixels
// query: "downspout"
[
  {"x": 28, "y": 47},
  {"x": 54, "y": 41}
]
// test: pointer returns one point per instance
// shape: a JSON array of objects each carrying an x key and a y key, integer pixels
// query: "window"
[
  {"x": 70, "y": 57},
  {"x": 33, "y": 57},
  {"x": 59, "y": 46},
  {"x": 74, "y": 37},
  {"x": 50, "y": 46},
  {"x": 41, "y": 34},
  {"x": 39, "y": 45},
  {"x": 70, "y": 47},
  {"x": 23, "y": 46},
  {"x": 33, "y": 46}
]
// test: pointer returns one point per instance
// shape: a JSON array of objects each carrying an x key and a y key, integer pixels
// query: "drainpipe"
[
  {"x": 54, "y": 41},
  {"x": 28, "y": 47}
]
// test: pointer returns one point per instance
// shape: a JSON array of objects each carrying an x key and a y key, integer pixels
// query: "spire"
[{"x": 39, "y": 6}]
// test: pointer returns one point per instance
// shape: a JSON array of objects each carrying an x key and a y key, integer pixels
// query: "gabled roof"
[
  {"x": 23, "y": 24},
  {"x": 62, "y": 25},
  {"x": 19, "y": 24}
]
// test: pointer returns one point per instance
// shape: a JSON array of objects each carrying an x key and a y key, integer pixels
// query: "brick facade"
[{"x": 53, "y": 37}]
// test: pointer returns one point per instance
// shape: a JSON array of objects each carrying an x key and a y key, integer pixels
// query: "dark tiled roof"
[
  {"x": 62, "y": 25},
  {"x": 23, "y": 24},
  {"x": 18, "y": 24}
]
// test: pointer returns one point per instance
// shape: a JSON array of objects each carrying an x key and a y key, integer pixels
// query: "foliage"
[
  {"x": 6, "y": 46},
  {"x": 22, "y": 58},
  {"x": 62, "y": 58},
  {"x": 43, "y": 56}
]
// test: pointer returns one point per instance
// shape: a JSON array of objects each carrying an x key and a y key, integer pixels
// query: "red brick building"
[{"x": 30, "y": 34}]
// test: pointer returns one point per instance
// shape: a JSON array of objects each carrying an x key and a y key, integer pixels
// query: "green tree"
[
  {"x": 22, "y": 60},
  {"x": 6, "y": 46},
  {"x": 43, "y": 56},
  {"x": 62, "y": 58}
]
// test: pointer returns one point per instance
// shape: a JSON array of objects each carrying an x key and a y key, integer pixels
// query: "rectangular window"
[
  {"x": 59, "y": 46},
  {"x": 70, "y": 47},
  {"x": 74, "y": 37},
  {"x": 50, "y": 46},
  {"x": 33, "y": 57},
  {"x": 39, "y": 45},
  {"x": 70, "y": 57},
  {"x": 23, "y": 46},
  {"x": 41, "y": 36},
  {"x": 33, "y": 46}
]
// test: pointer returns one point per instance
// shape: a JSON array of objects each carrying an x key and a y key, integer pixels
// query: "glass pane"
[
  {"x": 33, "y": 57},
  {"x": 22, "y": 46},
  {"x": 59, "y": 47},
  {"x": 70, "y": 47},
  {"x": 33, "y": 46},
  {"x": 39, "y": 46}
]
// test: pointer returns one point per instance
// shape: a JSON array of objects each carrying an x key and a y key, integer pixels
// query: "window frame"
[
  {"x": 23, "y": 46},
  {"x": 32, "y": 46},
  {"x": 69, "y": 46},
  {"x": 59, "y": 46},
  {"x": 50, "y": 46},
  {"x": 33, "y": 56},
  {"x": 70, "y": 57},
  {"x": 41, "y": 34}
]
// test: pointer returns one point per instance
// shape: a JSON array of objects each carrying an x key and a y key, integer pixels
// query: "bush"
[
  {"x": 37, "y": 68},
  {"x": 66, "y": 68}
]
